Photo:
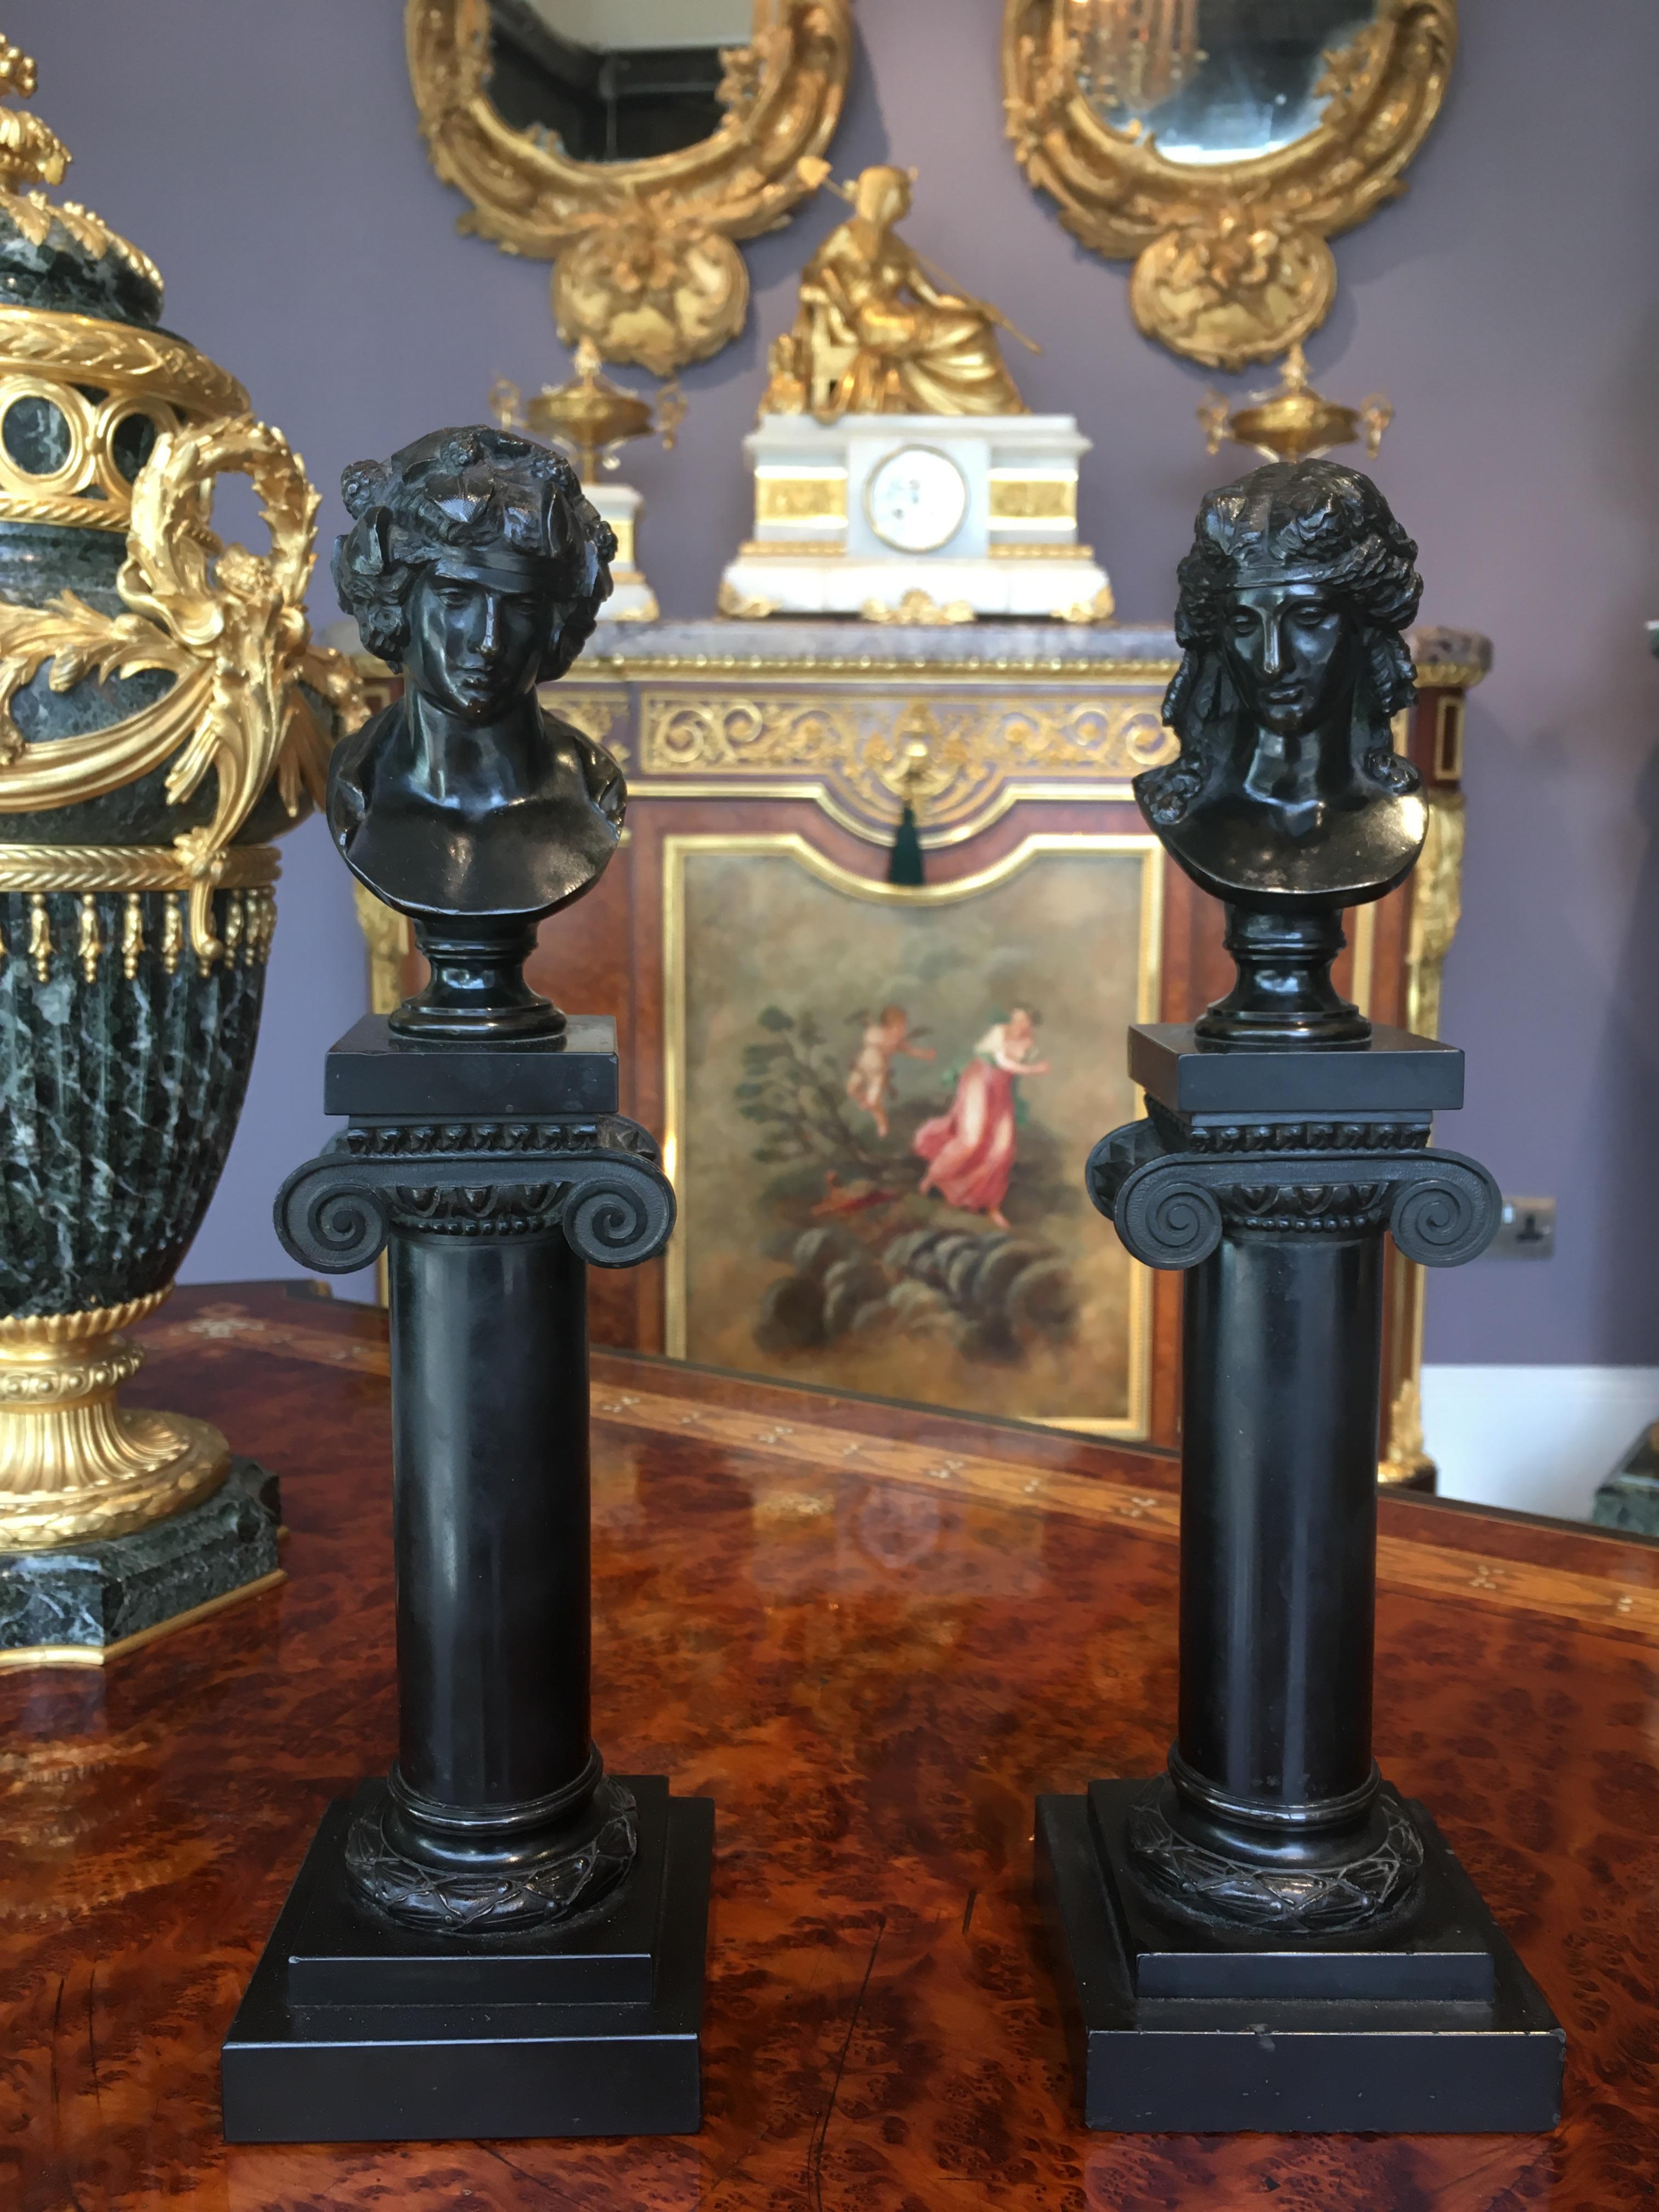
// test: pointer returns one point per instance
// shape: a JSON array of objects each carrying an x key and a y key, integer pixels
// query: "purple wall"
[{"x": 267, "y": 159}]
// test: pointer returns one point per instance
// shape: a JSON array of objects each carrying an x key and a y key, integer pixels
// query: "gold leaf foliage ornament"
[
  {"x": 228, "y": 625},
  {"x": 645, "y": 261},
  {"x": 1232, "y": 263}
]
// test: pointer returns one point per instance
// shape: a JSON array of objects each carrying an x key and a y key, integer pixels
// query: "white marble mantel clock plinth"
[{"x": 933, "y": 517}]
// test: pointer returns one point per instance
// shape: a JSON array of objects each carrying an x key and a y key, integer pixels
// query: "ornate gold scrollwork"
[
  {"x": 1436, "y": 908},
  {"x": 230, "y": 628},
  {"x": 1231, "y": 264},
  {"x": 644, "y": 260},
  {"x": 596, "y": 714},
  {"x": 918, "y": 610},
  {"x": 976, "y": 756}
]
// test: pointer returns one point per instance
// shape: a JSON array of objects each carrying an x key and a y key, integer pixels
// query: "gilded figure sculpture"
[
  {"x": 475, "y": 565},
  {"x": 878, "y": 332},
  {"x": 1288, "y": 800}
]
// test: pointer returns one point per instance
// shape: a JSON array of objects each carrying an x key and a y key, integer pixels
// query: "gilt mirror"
[
  {"x": 1219, "y": 144},
  {"x": 631, "y": 142}
]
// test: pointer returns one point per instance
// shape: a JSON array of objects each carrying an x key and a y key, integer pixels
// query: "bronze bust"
[
  {"x": 1288, "y": 800},
  {"x": 475, "y": 565}
]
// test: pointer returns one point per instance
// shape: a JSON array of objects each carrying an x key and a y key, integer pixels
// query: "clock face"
[{"x": 915, "y": 500}]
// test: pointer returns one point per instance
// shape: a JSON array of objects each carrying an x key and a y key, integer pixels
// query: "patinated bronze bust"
[
  {"x": 1288, "y": 800},
  {"x": 477, "y": 566}
]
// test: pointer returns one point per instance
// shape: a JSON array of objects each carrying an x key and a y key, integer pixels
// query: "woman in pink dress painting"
[{"x": 970, "y": 1150}]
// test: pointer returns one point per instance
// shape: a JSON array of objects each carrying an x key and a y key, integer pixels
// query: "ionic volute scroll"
[
  {"x": 612, "y": 1203},
  {"x": 1171, "y": 1208}
]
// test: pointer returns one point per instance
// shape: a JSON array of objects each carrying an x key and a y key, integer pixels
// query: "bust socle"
[
  {"x": 475, "y": 565},
  {"x": 1288, "y": 800}
]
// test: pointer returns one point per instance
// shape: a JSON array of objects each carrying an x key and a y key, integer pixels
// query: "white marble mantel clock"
[{"x": 943, "y": 517}]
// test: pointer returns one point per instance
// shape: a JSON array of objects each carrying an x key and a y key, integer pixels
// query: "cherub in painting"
[
  {"x": 869, "y": 1078},
  {"x": 970, "y": 1151}
]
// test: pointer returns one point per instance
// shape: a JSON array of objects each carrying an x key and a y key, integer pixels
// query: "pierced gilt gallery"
[{"x": 829, "y": 1229}]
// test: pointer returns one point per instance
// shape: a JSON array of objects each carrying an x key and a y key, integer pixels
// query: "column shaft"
[
  {"x": 1283, "y": 1336},
  {"x": 491, "y": 1483}
]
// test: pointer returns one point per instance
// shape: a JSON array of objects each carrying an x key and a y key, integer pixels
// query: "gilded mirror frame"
[
  {"x": 1232, "y": 263},
  {"x": 645, "y": 261}
]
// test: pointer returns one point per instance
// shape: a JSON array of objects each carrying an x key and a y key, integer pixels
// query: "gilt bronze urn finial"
[{"x": 1294, "y": 421}]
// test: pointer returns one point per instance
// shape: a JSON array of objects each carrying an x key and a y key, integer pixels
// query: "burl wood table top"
[{"x": 870, "y": 1636}]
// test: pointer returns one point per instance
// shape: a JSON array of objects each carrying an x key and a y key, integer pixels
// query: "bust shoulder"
[
  {"x": 480, "y": 832},
  {"x": 600, "y": 769},
  {"x": 350, "y": 767}
]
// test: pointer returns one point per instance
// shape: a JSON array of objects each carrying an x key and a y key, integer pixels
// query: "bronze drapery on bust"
[{"x": 475, "y": 565}]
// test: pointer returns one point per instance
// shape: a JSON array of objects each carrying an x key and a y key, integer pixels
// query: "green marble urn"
[{"x": 163, "y": 715}]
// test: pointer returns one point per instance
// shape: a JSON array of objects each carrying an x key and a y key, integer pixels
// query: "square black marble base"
[
  {"x": 353, "y": 2030},
  {"x": 87, "y": 1605},
  {"x": 1438, "y": 2029},
  {"x": 370, "y": 1072},
  {"x": 1394, "y": 1072}
]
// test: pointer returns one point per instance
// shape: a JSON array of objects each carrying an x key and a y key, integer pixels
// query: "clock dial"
[{"x": 915, "y": 500}]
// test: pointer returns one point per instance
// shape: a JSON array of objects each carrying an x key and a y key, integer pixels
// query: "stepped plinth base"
[
  {"x": 356, "y": 2030},
  {"x": 1431, "y": 2026}
]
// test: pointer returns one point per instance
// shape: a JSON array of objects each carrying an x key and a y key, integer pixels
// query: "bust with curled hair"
[
  {"x": 1287, "y": 793},
  {"x": 475, "y": 565}
]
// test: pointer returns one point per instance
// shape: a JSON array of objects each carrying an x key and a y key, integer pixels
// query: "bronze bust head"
[
  {"x": 475, "y": 566},
  {"x": 1288, "y": 800}
]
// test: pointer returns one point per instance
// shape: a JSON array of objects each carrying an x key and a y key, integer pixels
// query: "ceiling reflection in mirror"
[
  {"x": 1213, "y": 81},
  {"x": 613, "y": 80}
]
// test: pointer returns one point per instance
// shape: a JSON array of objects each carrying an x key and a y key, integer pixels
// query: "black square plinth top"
[
  {"x": 372, "y": 1072},
  {"x": 1395, "y": 1072}
]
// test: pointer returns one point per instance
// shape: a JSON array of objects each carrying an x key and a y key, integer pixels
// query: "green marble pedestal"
[
  {"x": 1629, "y": 1498},
  {"x": 84, "y": 1606}
]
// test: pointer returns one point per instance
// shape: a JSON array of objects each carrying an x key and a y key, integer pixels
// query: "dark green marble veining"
[
  {"x": 97, "y": 1594},
  {"x": 1629, "y": 1499},
  {"x": 65, "y": 275},
  {"x": 118, "y": 1099}
]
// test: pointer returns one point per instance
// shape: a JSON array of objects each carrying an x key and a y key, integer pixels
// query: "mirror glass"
[
  {"x": 1211, "y": 80},
  {"x": 613, "y": 80}
]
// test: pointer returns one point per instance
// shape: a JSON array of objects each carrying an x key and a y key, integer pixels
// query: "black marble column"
[
  {"x": 498, "y": 1864},
  {"x": 1267, "y": 1935}
]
